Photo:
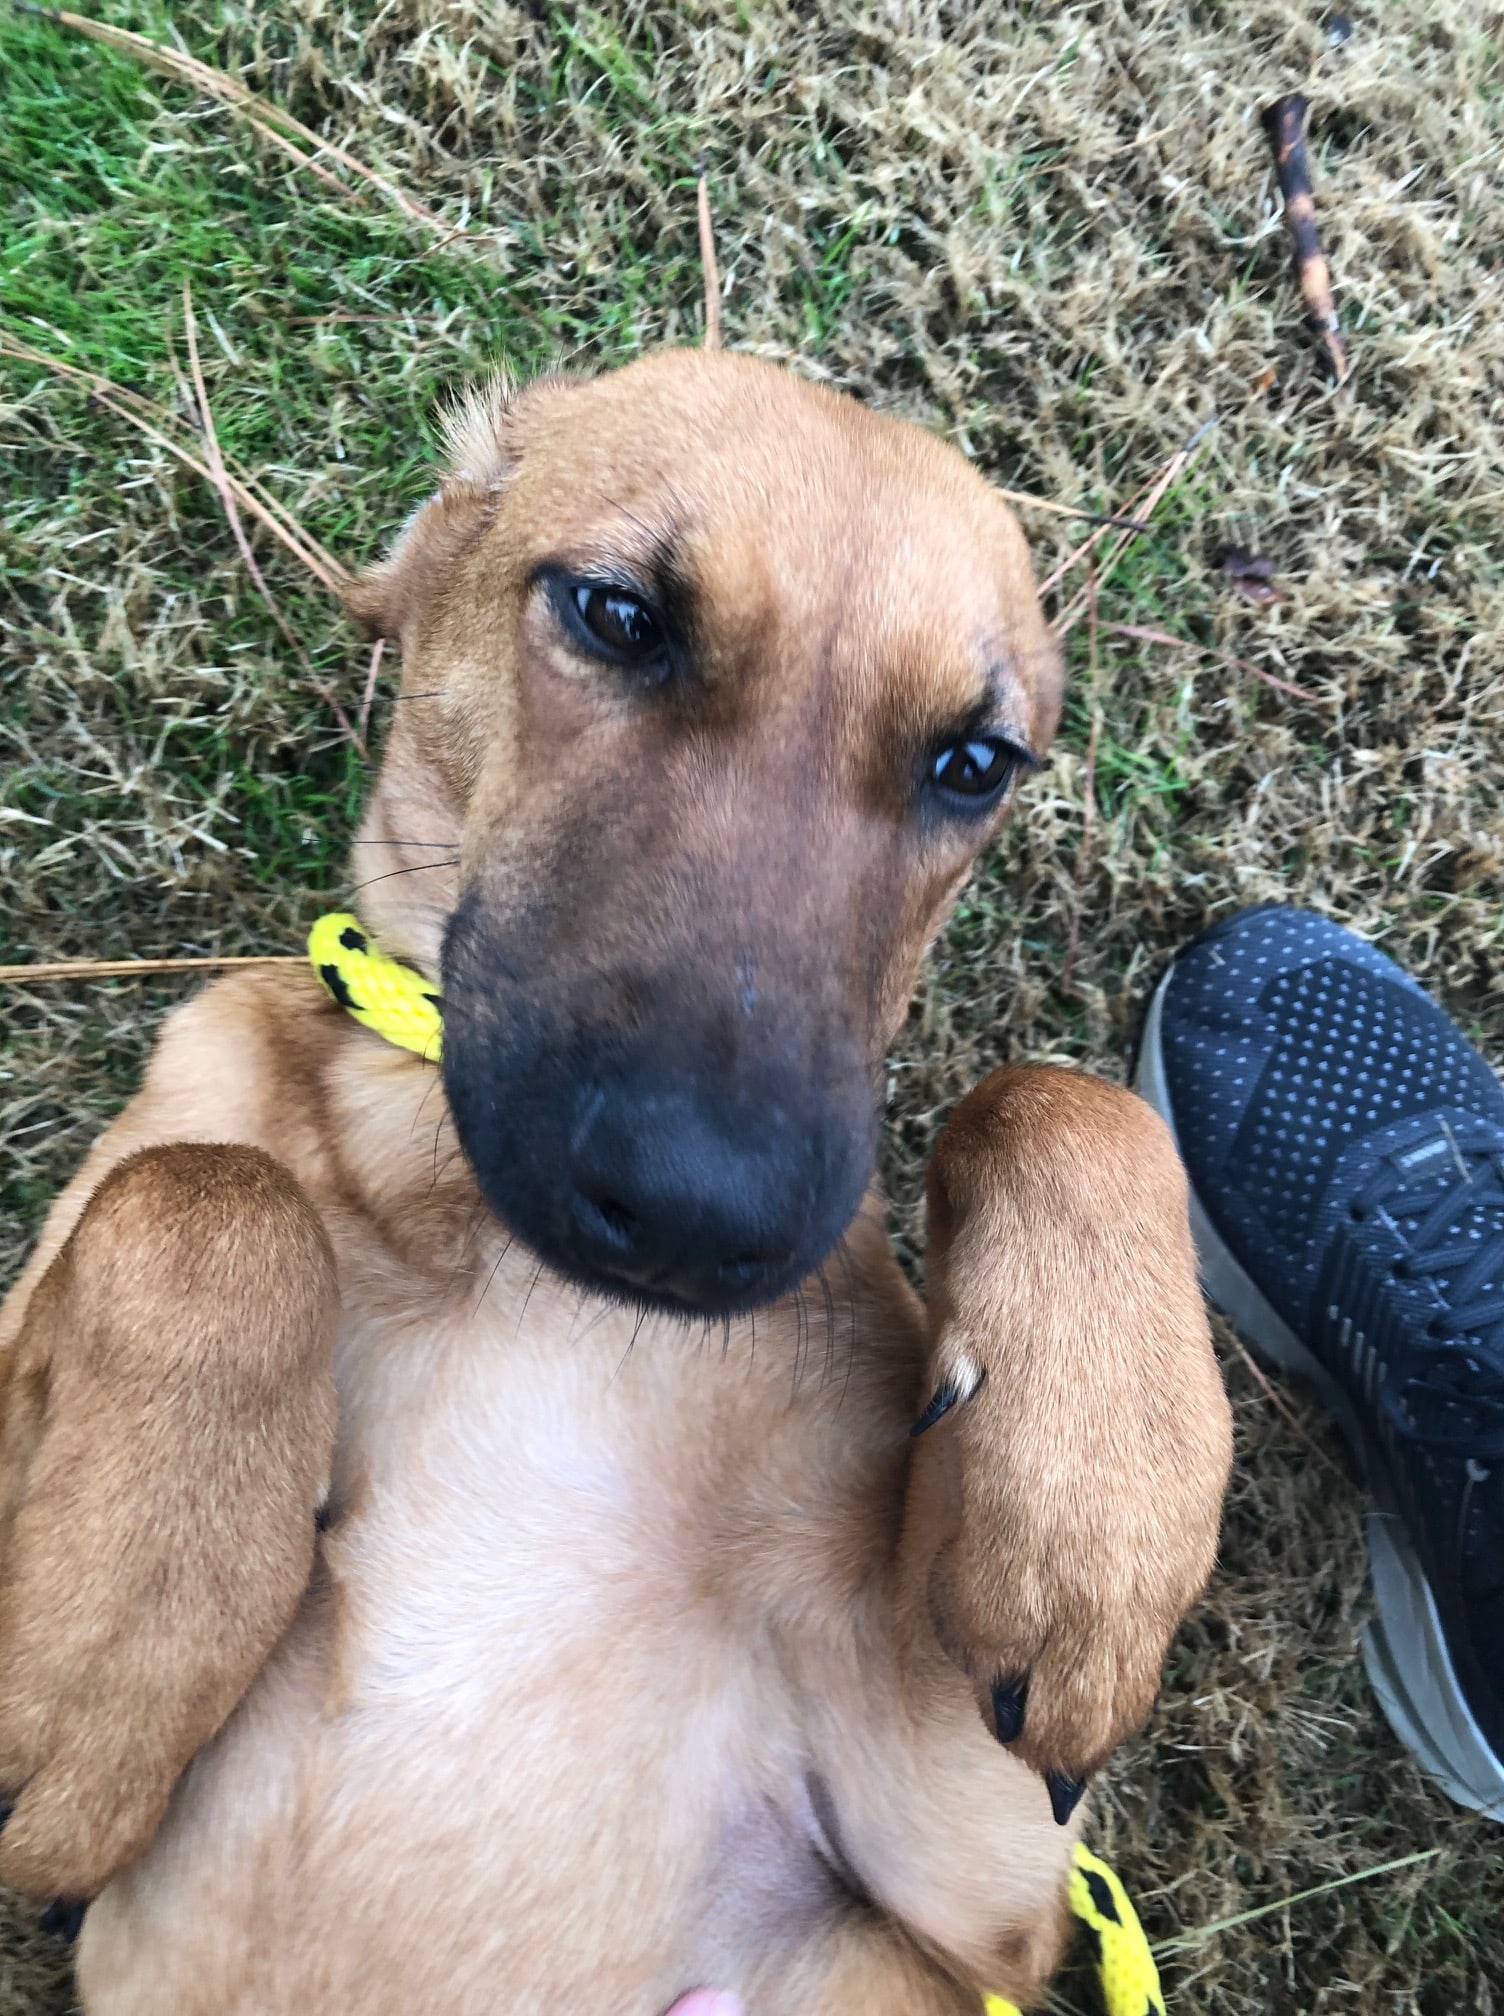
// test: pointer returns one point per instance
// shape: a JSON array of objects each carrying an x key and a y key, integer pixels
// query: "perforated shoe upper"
[{"x": 1347, "y": 1144}]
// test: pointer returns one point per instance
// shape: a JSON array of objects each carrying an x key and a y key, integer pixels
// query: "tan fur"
[
  {"x": 1084, "y": 1480},
  {"x": 634, "y": 1657}
]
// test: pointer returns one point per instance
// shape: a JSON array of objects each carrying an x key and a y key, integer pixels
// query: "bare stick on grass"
[{"x": 1285, "y": 123}]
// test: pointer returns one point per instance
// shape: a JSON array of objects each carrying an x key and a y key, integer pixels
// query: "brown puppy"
[{"x": 639, "y": 1652}]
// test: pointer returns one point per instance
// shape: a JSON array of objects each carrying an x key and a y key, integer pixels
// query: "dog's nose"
[{"x": 673, "y": 1198}]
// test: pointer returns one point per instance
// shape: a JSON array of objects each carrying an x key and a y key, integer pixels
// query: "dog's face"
[{"x": 722, "y": 681}]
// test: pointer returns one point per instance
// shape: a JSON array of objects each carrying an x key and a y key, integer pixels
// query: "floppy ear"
[{"x": 386, "y": 598}]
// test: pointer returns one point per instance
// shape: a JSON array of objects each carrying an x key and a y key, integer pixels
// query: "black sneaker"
[{"x": 1345, "y": 1145}]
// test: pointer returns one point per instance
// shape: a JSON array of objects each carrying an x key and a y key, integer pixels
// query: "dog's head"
[{"x": 715, "y": 683}]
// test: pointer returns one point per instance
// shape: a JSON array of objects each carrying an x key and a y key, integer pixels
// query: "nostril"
[
  {"x": 611, "y": 1220},
  {"x": 623, "y": 1222}
]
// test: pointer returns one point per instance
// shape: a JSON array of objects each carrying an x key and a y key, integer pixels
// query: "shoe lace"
[{"x": 1447, "y": 1393}]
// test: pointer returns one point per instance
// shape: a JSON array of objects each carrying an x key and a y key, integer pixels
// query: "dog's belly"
[{"x": 529, "y": 1745}]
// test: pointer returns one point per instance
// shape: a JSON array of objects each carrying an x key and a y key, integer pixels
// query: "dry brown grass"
[{"x": 1046, "y": 231}]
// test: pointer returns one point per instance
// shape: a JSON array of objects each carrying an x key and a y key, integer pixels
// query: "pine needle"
[
  {"x": 137, "y": 969},
  {"x": 155, "y": 423},
  {"x": 1199, "y": 1934},
  {"x": 708, "y": 265},
  {"x": 219, "y": 476},
  {"x": 1171, "y": 473},
  {"x": 1148, "y": 636}
]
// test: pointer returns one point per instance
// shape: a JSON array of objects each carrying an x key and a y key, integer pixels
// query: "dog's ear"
[{"x": 386, "y": 598}]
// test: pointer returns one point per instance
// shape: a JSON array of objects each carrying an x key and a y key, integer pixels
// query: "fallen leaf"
[{"x": 1251, "y": 575}]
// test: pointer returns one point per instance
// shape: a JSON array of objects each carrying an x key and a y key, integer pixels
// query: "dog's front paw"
[
  {"x": 1058, "y": 1596},
  {"x": 86, "y": 1780},
  {"x": 1075, "y": 1440},
  {"x": 166, "y": 1420}
]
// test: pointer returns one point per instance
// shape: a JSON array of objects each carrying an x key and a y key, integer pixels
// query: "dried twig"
[
  {"x": 708, "y": 265},
  {"x": 1284, "y": 121},
  {"x": 133, "y": 969}
]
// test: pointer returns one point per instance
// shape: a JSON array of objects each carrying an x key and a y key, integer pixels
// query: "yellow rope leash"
[
  {"x": 401, "y": 1005},
  {"x": 394, "y": 1000},
  {"x": 1126, "y": 1971}
]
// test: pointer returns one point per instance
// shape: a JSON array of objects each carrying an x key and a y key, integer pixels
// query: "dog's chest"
[
  {"x": 508, "y": 1514},
  {"x": 539, "y": 1485},
  {"x": 547, "y": 1660}
]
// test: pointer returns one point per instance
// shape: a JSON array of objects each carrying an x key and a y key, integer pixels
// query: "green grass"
[{"x": 111, "y": 208}]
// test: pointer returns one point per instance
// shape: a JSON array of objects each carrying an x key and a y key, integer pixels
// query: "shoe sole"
[{"x": 1404, "y": 1649}]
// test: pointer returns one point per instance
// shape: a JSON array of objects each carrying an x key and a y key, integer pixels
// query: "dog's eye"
[
  {"x": 977, "y": 767},
  {"x": 621, "y": 623}
]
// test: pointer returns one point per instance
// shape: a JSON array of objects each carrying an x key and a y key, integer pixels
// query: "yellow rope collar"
[
  {"x": 394, "y": 1000},
  {"x": 1126, "y": 1972},
  {"x": 401, "y": 1005}
]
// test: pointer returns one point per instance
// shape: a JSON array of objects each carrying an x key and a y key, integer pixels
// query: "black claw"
[
  {"x": 1009, "y": 1698},
  {"x": 7, "y": 1807},
  {"x": 946, "y": 1396},
  {"x": 64, "y": 1918},
  {"x": 1065, "y": 1794}
]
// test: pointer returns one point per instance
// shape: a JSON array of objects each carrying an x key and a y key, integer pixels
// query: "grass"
[{"x": 1046, "y": 232}]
